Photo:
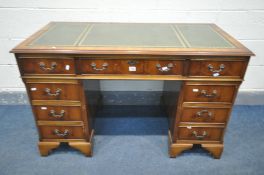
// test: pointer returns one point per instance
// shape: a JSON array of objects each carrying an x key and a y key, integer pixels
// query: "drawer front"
[
  {"x": 209, "y": 93},
  {"x": 61, "y": 132},
  {"x": 58, "y": 113},
  {"x": 111, "y": 66},
  {"x": 157, "y": 67},
  {"x": 217, "y": 68},
  {"x": 53, "y": 91},
  {"x": 86, "y": 66},
  {"x": 207, "y": 115},
  {"x": 47, "y": 66},
  {"x": 200, "y": 133}
]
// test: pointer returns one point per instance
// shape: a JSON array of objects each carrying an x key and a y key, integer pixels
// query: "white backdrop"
[{"x": 243, "y": 19}]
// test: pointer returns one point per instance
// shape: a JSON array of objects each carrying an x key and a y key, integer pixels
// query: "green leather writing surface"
[
  {"x": 61, "y": 34},
  {"x": 202, "y": 36},
  {"x": 131, "y": 35}
]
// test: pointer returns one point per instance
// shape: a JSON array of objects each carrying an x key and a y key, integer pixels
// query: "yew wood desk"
[{"x": 55, "y": 61}]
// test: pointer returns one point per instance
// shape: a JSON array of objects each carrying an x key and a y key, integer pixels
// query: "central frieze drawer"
[
  {"x": 53, "y": 91},
  {"x": 209, "y": 93},
  {"x": 133, "y": 66},
  {"x": 47, "y": 66},
  {"x": 61, "y": 132},
  {"x": 57, "y": 113}
]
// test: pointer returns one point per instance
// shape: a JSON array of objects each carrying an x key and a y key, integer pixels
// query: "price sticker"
[
  {"x": 189, "y": 127},
  {"x": 195, "y": 90},
  {"x": 165, "y": 68},
  {"x": 67, "y": 67},
  {"x": 43, "y": 108},
  {"x": 33, "y": 89},
  {"x": 132, "y": 68},
  {"x": 216, "y": 74}
]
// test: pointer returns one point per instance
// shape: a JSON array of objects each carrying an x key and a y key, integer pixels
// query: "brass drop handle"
[
  {"x": 211, "y": 68},
  {"x": 164, "y": 68},
  {"x": 55, "y": 115},
  {"x": 199, "y": 137},
  {"x": 48, "y": 92},
  {"x": 212, "y": 95},
  {"x": 104, "y": 66},
  {"x": 203, "y": 113},
  {"x": 43, "y": 67},
  {"x": 61, "y": 134}
]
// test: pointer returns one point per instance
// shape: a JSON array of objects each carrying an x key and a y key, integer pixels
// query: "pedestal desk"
[{"x": 55, "y": 62}]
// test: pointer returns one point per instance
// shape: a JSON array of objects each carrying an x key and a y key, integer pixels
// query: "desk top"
[{"x": 131, "y": 38}]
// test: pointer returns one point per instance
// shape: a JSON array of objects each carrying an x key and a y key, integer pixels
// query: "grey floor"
[{"x": 133, "y": 143}]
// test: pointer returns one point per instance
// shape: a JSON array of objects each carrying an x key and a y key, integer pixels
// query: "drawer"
[
  {"x": 46, "y": 66},
  {"x": 58, "y": 113},
  {"x": 86, "y": 66},
  {"x": 61, "y": 132},
  {"x": 157, "y": 67},
  {"x": 200, "y": 133},
  {"x": 53, "y": 91},
  {"x": 209, "y": 93},
  {"x": 217, "y": 68},
  {"x": 202, "y": 114}
]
